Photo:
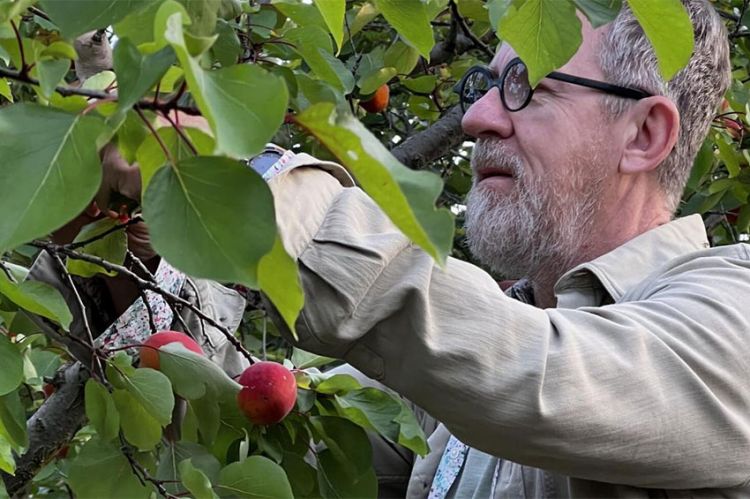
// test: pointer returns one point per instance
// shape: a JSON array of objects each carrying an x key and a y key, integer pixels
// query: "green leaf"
[
  {"x": 51, "y": 73},
  {"x": 279, "y": 280},
  {"x": 13, "y": 421},
  {"x": 59, "y": 50},
  {"x": 401, "y": 56},
  {"x": 137, "y": 73},
  {"x": 5, "y": 90},
  {"x": 11, "y": 8},
  {"x": 544, "y": 33},
  {"x": 411, "y": 21},
  {"x": 101, "y": 410},
  {"x": 599, "y": 12},
  {"x": 335, "y": 482},
  {"x": 668, "y": 27},
  {"x": 175, "y": 453},
  {"x": 729, "y": 156},
  {"x": 45, "y": 362},
  {"x": 406, "y": 196},
  {"x": 154, "y": 390},
  {"x": 227, "y": 48},
  {"x": 75, "y": 17},
  {"x": 244, "y": 104},
  {"x": 422, "y": 84},
  {"x": 139, "y": 427},
  {"x": 305, "y": 360},
  {"x": 50, "y": 158},
  {"x": 300, "y": 474},
  {"x": 195, "y": 481},
  {"x": 255, "y": 477},
  {"x": 150, "y": 155},
  {"x": 347, "y": 441},
  {"x": 101, "y": 470},
  {"x": 338, "y": 383},
  {"x": 216, "y": 206},
  {"x": 703, "y": 163},
  {"x": 38, "y": 298},
  {"x": 314, "y": 45},
  {"x": 371, "y": 82},
  {"x": 303, "y": 14},
  {"x": 191, "y": 373},
  {"x": 203, "y": 14},
  {"x": 111, "y": 247},
  {"x": 387, "y": 414},
  {"x": 7, "y": 462},
  {"x": 132, "y": 26},
  {"x": 333, "y": 13}
]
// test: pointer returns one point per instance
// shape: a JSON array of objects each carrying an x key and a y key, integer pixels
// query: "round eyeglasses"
[{"x": 515, "y": 89}]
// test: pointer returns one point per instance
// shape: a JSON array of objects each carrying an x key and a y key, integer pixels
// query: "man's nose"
[{"x": 488, "y": 117}]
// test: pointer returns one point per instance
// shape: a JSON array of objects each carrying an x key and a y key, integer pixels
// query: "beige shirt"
[{"x": 640, "y": 376}]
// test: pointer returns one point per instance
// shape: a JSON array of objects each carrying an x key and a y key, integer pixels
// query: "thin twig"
[
  {"x": 181, "y": 133},
  {"x": 81, "y": 244},
  {"x": 23, "y": 70},
  {"x": 153, "y": 131},
  {"x": 84, "y": 314},
  {"x": 469, "y": 34},
  {"x": 140, "y": 472},
  {"x": 56, "y": 248}
]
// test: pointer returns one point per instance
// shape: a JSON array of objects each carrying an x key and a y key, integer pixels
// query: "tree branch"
[
  {"x": 65, "y": 91},
  {"x": 51, "y": 427},
  {"x": 424, "y": 147}
]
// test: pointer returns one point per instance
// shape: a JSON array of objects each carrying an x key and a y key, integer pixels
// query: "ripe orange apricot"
[{"x": 379, "y": 101}]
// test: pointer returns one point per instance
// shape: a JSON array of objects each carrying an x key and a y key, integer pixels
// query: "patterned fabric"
[
  {"x": 450, "y": 465},
  {"x": 455, "y": 451},
  {"x": 132, "y": 327}
]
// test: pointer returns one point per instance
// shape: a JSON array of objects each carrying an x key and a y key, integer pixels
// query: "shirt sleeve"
[{"x": 649, "y": 393}]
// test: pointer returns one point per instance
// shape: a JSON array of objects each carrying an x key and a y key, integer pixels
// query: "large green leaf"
[
  {"x": 151, "y": 157},
  {"x": 255, "y": 477},
  {"x": 544, "y": 33},
  {"x": 51, "y": 73},
  {"x": 101, "y": 410},
  {"x": 244, "y": 104},
  {"x": 333, "y": 13},
  {"x": 75, "y": 17},
  {"x": 406, "y": 196},
  {"x": 154, "y": 390},
  {"x": 385, "y": 413},
  {"x": 411, "y": 20},
  {"x": 13, "y": 420},
  {"x": 279, "y": 280},
  {"x": 37, "y": 297},
  {"x": 195, "y": 481},
  {"x": 101, "y": 470},
  {"x": 220, "y": 209},
  {"x": 668, "y": 27},
  {"x": 136, "y": 72},
  {"x": 111, "y": 247},
  {"x": 50, "y": 170},
  {"x": 7, "y": 461},
  {"x": 314, "y": 45},
  {"x": 139, "y": 427},
  {"x": 193, "y": 374},
  {"x": 346, "y": 440},
  {"x": 599, "y": 12}
]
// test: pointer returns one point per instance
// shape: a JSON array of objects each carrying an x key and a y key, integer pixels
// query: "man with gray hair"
[{"x": 621, "y": 367}]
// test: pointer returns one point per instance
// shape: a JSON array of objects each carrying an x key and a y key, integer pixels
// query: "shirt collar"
[{"x": 627, "y": 265}]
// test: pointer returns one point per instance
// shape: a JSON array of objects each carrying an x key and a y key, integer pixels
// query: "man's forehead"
[{"x": 502, "y": 57}]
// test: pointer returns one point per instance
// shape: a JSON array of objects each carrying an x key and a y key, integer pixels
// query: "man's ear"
[{"x": 655, "y": 124}]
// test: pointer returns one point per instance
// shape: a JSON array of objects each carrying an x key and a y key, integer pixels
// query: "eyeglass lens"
[
  {"x": 516, "y": 88},
  {"x": 476, "y": 85}
]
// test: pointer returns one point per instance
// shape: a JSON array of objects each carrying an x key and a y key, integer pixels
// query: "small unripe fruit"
[
  {"x": 379, "y": 101},
  {"x": 268, "y": 393},
  {"x": 149, "y": 352}
]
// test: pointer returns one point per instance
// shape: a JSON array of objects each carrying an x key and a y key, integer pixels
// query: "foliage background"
[{"x": 287, "y": 71}]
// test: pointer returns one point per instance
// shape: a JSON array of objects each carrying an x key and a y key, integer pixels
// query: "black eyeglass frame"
[{"x": 628, "y": 93}]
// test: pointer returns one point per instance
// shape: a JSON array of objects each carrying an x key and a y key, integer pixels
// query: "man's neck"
[{"x": 608, "y": 233}]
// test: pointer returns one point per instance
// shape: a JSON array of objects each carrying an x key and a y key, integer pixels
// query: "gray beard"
[{"x": 540, "y": 226}]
